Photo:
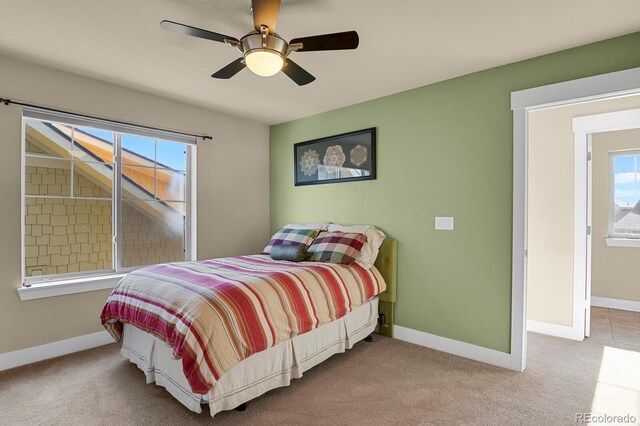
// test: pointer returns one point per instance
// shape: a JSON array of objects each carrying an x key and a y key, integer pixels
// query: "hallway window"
[{"x": 624, "y": 216}]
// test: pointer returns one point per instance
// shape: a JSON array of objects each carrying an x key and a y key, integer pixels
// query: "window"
[
  {"x": 624, "y": 213},
  {"x": 101, "y": 198}
]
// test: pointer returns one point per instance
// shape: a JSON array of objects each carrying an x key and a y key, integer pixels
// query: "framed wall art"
[{"x": 342, "y": 158}]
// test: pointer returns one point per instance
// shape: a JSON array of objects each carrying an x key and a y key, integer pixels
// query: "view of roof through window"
[
  {"x": 170, "y": 155},
  {"x": 72, "y": 214},
  {"x": 153, "y": 167}
]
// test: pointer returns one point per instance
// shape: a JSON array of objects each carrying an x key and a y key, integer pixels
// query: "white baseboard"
[
  {"x": 625, "y": 305},
  {"x": 51, "y": 350},
  {"x": 563, "y": 331},
  {"x": 455, "y": 347}
]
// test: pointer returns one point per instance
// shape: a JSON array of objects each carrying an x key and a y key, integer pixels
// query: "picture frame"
[{"x": 346, "y": 157}]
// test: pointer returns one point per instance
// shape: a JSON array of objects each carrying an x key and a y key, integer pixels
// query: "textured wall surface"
[
  {"x": 64, "y": 236},
  {"x": 443, "y": 150},
  {"x": 74, "y": 235}
]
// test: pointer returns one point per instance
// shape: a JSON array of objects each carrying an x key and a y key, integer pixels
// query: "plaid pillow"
[
  {"x": 337, "y": 247},
  {"x": 287, "y": 237}
]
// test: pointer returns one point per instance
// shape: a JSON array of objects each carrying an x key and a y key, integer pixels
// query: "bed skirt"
[{"x": 261, "y": 372}]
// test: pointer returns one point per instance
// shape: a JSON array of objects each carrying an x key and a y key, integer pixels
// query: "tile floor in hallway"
[{"x": 615, "y": 326}]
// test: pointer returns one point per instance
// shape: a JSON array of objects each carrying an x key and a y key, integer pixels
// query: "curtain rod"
[{"x": 9, "y": 102}]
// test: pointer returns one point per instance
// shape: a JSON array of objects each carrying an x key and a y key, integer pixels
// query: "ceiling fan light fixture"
[{"x": 264, "y": 62}]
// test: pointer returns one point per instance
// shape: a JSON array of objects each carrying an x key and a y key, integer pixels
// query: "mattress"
[{"x": 257, "y": 374}]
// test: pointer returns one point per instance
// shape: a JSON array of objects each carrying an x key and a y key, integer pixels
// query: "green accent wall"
[{"x": 443, "y": 150}]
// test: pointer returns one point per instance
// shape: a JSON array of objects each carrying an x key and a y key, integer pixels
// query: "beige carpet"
[{"x": 384, "y": 382}]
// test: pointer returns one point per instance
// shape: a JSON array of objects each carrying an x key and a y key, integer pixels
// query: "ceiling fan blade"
[
  {"x": 196, "y": 32},
  {"x": 296, "y": 73},
  {"x": 265, "y": 12},
  {"x": 230, "y": 70},
  {"x": 335, "y": 41}
]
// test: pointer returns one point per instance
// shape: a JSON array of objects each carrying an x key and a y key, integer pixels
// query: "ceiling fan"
[{"x": 264, "y": 52}]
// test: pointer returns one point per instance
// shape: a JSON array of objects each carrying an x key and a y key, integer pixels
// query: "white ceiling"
[{"x": 403, "y": 44}]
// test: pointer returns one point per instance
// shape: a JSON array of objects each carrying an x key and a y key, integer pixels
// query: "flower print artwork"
[
  {"x": 309, "y": 162},
  {"x": 358, "y": 155},
  {"x": 334, "y": 157}
]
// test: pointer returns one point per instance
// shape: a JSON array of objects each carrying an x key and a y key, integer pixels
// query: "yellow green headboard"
[{"x": 387, "y": 264}]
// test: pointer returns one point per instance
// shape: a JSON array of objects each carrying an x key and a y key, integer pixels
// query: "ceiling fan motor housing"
[{"x": 256, "y": 42}]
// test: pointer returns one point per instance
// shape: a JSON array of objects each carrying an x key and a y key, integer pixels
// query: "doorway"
[
  {"x": 600, "y": 88},
  {"x": 559, "y": 215}
]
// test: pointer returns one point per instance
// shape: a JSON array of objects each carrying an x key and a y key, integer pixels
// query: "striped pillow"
[
  {"x": 287, "y": 237},
  {"x": 337, "y": 247}
]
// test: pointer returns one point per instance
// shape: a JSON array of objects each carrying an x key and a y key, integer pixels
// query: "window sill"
[
  {"x": 60, "y": 288},
  {"x": 623, "y": 242}
]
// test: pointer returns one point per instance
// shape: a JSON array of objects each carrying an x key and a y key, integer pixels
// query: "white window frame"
[
  {"x": 59, "y": 284},
  {"x": 611, "y": 229}
]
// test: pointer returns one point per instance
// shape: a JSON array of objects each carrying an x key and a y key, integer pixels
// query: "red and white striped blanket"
[{"x": 215, "y": 313}]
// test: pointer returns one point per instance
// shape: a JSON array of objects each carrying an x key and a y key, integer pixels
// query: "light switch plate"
[{"x": 444, "y": 223}]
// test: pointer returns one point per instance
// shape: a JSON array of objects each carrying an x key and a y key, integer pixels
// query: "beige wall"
[
  {"x": 232, "y": 177},
  {"x": 614, "y": 270},
  {"x": 550, "y": 208}
]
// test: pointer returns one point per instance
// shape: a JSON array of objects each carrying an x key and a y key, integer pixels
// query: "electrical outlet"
[{"x": 386, "y": 308}]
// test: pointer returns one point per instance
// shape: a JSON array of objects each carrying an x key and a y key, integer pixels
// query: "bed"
[{"x": 272, "y": 321}]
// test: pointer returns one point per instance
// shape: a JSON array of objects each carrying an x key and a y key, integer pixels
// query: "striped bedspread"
[{"x": 215, "y": 313}]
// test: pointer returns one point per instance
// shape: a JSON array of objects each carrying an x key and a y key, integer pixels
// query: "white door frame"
[
  {"x": 617, "y": 84},
  {"x": 583, "y": 128}
]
